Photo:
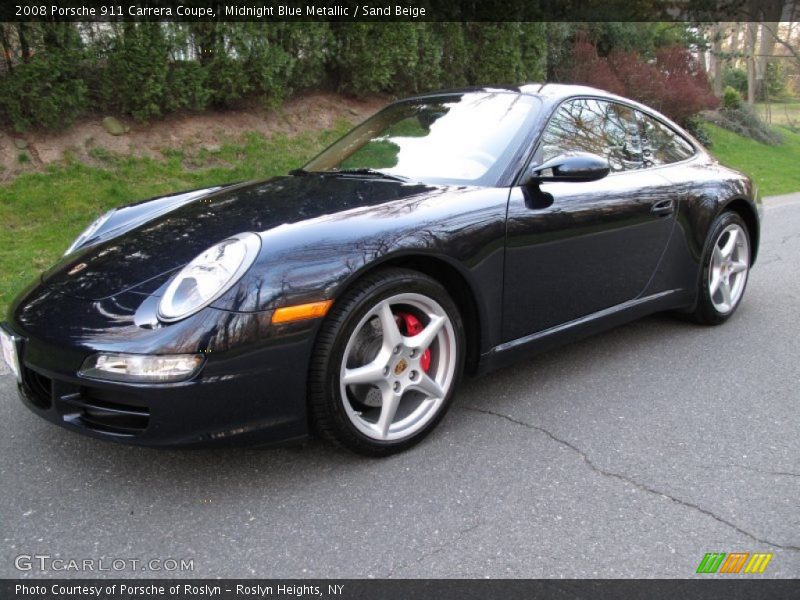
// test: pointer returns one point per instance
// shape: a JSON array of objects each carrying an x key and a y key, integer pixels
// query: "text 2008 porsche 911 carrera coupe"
[{"x": 450, "y": 232}]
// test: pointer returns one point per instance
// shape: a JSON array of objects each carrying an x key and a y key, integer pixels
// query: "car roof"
[
  {"x": 549, "y": 91},
  {"x": 554, "y": 93}
]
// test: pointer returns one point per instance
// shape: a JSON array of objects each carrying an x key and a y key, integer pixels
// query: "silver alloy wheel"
[
  {"x": 728, "y": 268},
  {"x": 386, "y": 392}
]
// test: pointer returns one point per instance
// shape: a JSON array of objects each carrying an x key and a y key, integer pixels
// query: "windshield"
[{"x": 463, "y": 138}]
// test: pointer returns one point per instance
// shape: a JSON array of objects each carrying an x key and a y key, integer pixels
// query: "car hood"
[{"x": 142, "y": 258}]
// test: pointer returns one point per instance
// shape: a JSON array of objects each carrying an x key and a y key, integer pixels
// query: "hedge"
[{"x": 55, "y": 72}]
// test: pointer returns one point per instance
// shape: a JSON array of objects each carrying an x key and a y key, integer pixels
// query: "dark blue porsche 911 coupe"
[{"x": 451, "y": 232}]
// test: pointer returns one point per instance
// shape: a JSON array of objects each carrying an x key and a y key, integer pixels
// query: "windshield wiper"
[
  {"x": 366, "y": 171},
  {"x": 359, "y": 171}
]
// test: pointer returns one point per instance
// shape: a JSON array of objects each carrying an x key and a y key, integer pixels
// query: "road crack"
[
  {"x": 754, "y": 469},
  {"x": 455, "y": 538},
  {"x": 621, "y": 477},
  {"x": 791, "y": 236}
]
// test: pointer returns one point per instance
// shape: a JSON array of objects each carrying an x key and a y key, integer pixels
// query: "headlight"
[
  {"x": 140, "y": 367},
  {"x": 208, "y": 276},
  {"x": 89, "y": 231}
]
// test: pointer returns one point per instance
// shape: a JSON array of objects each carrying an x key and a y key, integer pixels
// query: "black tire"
[
  {"x": 327, "y": 413},
  {"x": 705, "y": 311}
]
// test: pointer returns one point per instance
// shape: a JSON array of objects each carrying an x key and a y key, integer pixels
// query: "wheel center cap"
[{"x": 401, "y": 366}]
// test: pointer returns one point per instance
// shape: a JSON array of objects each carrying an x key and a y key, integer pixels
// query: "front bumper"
[{"x": 251, "y": 388}]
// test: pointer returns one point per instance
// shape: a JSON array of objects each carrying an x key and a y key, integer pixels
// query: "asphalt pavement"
[{"x": 630, "y": 454}]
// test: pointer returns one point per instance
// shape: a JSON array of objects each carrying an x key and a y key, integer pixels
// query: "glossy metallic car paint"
[{"x": 529, "y": 266}]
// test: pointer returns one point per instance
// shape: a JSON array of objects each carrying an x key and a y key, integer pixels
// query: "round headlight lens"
[{"x": 208, "y": 276}]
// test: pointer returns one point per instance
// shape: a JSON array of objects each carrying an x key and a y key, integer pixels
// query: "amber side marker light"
[{"x": 301, "y": 312}]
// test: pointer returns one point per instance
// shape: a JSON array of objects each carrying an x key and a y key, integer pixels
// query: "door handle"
[{"x": 663, "y": 208}]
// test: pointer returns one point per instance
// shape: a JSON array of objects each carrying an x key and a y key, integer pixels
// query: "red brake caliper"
[{"x": 412, "y": 326}]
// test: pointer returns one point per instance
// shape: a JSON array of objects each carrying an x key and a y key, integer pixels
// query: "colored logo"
[
  {"x": 720, "y": 562},
  {"x": 400, "y": 366}
]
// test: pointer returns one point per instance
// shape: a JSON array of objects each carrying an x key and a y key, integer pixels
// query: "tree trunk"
[
  {"x": 6, "y": 47},
  {"x": 751, "y": 34},
  {"x": 717, "y": 32},
  {"x": 735, "y": 48},
  {"x": 22, "y": 34},
  {"x": 765, "y": 47}
]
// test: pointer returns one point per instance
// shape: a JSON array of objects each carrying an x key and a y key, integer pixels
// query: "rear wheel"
[
  {"x": 386, "y": 363},
  {"x": 726, "y": 265}
]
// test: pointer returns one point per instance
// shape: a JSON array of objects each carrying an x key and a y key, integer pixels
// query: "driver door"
[{"x": 576, "y": 248}]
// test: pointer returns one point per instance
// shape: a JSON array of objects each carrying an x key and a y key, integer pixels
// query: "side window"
[
  {"x": 576, "y": 126},
  {"x": 622, "y": 135},
  {"x": 661, "y": 145},
  {"x": 603, "y": 128}
]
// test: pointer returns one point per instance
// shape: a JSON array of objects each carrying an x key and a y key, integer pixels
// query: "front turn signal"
[{"x": 301, "y": 312}]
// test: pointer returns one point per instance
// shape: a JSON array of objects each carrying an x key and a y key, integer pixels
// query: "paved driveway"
[{"x": 632, "y": 453}]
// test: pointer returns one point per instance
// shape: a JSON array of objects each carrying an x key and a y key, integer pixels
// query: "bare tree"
[
  {"x": 6, "y": 47},
  {"x": 750, "y": 57},
  {"x": 716, "y": 56},
  {"x": 773, "y": 31},
  {"x": 769, "y": 13}
]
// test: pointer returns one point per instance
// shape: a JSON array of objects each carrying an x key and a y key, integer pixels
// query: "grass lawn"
[
  {"x": 776, "y": 169},
  {"x": 41, "y": 213},
  {"x": 780, "y": 113}
]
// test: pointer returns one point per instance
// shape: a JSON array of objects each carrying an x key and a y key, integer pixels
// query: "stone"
[{"x": 114, "y": 127}]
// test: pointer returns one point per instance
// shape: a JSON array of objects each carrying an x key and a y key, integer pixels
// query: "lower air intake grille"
[
  {"x": 39, "y": 388},
  {"x": 107, "y": 417}
]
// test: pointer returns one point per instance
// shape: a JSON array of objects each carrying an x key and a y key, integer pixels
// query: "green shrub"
[
  {"x": 42, "y": 93},
  {"x": 743, "y": 121},
  {"x": 776, "y": 82},
  {"x": 147, "y": 70},
  {"x": 506, "y": 53},
  {"x": 187, "y": 87},
  {"x": 135, "y": 79},
  {"x": 694, "y": 125},
  {"x": 267, "y": 65},
  {"x": 309, "y": 46},
  {"x": 375, "y": 57},
  {"x": 736, "y": 78},
  {"x": 429, "y": 55},
  {"x": 215, "y": 44},
  {"x": 46, "y": 89},
  {"x": 455, "y": 54},
  {"x": 731, "y": 98},
  {"x": 411, "y": 57}
]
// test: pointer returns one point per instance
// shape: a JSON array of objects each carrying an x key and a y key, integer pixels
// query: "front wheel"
[
  {"x": 726, "y": 264},
  {"x": 387, "y": 360}
]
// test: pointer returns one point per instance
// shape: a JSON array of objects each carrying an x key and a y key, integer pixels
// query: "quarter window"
[{"x": 661, "y": 145}]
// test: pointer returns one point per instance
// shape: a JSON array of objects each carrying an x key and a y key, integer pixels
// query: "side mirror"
[{"x": 581, "y": 166}]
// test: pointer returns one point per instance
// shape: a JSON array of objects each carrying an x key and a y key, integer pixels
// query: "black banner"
[
  {"x": 401, "y": 10},
  {"x": 402, "y": 589}
]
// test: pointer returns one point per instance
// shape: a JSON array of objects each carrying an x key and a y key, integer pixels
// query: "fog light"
[{"x": 141, "y": 368}]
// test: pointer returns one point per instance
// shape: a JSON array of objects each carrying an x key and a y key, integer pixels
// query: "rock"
[
  {"x": 20, "y": 143},
  {"x": 114, "y": 127},
  {"x": 353, "y": 112}
]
